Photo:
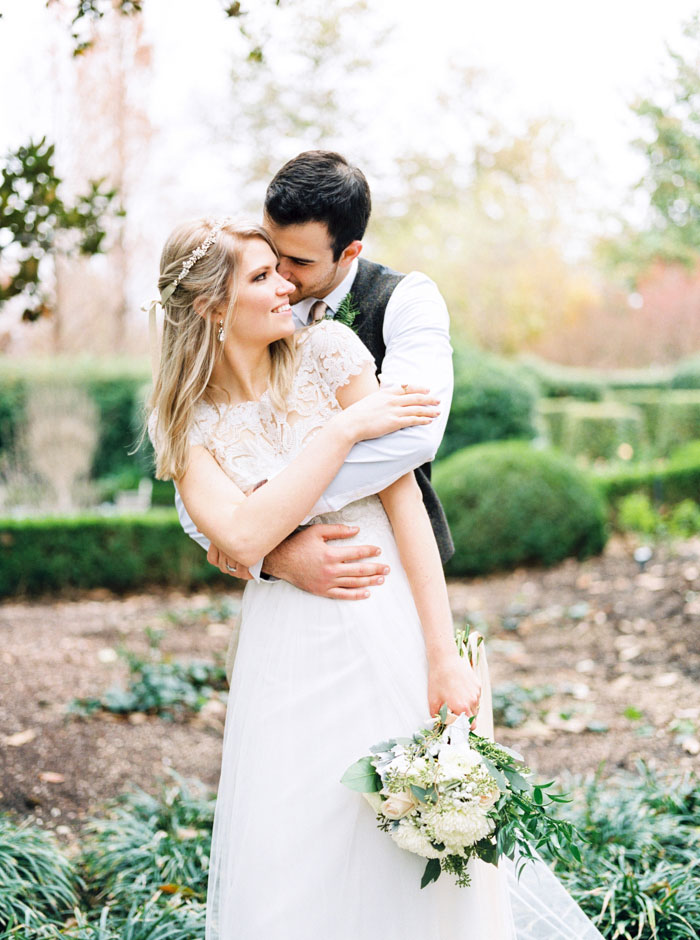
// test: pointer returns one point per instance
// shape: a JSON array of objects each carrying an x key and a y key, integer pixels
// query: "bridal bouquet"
[{"x": 451, "y": 795}]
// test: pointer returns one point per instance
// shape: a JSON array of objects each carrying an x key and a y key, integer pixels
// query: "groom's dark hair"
[{"x": 321, "y": 186}]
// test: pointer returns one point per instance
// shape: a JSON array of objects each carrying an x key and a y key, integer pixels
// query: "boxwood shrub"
[
  {"x": 679, "y": 419},
  {"x": 663, "y": 481},
  {"x": 510, "y": 504},
  {"x": 597, "y": 429},
  {"x": 121, "y": 553},
  {"x": 493, "y": 400},
  {"x": 687, "y": 374}
]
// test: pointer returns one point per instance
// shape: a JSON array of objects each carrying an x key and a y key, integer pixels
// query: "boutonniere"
[{"x": 347, "y": 311}]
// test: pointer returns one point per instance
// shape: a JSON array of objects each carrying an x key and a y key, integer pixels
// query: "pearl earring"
[{"x": 220, "y": 334}]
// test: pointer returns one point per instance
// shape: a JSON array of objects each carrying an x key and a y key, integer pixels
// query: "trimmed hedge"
[
  {"x": 597, "y": 429},
  {"x": 493, "y": 400},
  {"x": 687, "y": 374},
  {"x": 558, "y": 381},
  {"x": 509, "y": 504},
  {"x": 120, "y": 553},
  {"x": 679, "y": 419},
  {"x": 663, "y": 481},
  {"x": 116, "y": 387}
]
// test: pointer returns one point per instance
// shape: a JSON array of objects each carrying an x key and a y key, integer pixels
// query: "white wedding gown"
[{"x": 295, "y": 854}]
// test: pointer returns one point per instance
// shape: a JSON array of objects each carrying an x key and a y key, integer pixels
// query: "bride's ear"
[{"x": 202, "y": 309}]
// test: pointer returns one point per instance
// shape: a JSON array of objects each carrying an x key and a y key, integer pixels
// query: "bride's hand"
[
  {"x": 453, "y": 682},
  {"x": 387, "y": 410}
]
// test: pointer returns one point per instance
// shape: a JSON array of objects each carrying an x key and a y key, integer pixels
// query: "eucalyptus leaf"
[{"x": 362, "y": 776}]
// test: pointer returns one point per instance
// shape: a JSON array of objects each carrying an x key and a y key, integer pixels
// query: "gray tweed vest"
[{"x": 370, "y": 293}]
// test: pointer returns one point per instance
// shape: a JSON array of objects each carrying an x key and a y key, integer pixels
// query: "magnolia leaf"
[
  {"x": 362, "y": 776},
  {"x": 443, "y": 714},
  {"x": 431, "y": 873}
]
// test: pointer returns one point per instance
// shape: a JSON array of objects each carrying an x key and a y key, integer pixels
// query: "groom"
[{"x": 316, "y": 209}]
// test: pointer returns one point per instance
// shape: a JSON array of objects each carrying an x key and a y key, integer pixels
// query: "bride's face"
[{"x": 262, "y": 312}]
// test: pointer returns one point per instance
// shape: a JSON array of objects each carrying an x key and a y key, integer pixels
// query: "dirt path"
[{"x": 618, "y": 649}]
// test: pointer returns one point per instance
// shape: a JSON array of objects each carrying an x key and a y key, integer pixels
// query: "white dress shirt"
[{"x": 418, "y": 351}]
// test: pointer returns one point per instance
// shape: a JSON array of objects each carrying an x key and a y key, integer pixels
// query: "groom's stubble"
[{"x": 306, "y": 258}]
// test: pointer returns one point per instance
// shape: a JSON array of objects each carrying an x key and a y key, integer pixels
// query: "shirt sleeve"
[{"x": 418, "y": 352}]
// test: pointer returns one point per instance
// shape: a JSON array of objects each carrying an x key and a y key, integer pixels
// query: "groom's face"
[{"x": 306, "y": 258}]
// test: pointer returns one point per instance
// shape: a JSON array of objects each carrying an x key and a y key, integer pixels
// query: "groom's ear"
[{"x": 350, "y": 253}]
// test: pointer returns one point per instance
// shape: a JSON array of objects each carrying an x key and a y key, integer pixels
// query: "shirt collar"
[{"x": 334, "y": 299}]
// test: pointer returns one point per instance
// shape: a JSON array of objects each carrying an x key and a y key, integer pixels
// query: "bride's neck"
[{"x": 242, "y": 373}]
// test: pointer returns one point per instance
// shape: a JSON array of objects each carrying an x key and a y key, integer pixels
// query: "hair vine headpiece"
[{"x": 168, "y": 291}]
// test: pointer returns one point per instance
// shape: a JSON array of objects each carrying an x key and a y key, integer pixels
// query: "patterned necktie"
[{"x": 318, "y": 311}]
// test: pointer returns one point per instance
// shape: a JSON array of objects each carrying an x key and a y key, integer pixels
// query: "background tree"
[
  {"x": 37, "y": 223},
  {"x": 671, "y": 147}
]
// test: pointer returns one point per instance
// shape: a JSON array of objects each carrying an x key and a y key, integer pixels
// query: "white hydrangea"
[
  {"x": 458, "y": 827},
  {"x": 407, "y": 836},
  {"x": 456, "y": 760}
]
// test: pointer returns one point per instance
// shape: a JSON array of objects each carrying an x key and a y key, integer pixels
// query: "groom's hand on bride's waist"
[{"x": 309, "y": 560}]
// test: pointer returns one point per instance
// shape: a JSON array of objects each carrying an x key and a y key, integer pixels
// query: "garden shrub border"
[{"x": 121, "y": 553}]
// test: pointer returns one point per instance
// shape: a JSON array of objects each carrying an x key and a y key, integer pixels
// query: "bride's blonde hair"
[{"x": 206, "y": 293}]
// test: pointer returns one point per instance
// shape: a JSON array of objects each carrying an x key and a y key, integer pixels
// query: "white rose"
[
  {"x": 398, "y": 805},
  {"x": 456, "y": 760}
]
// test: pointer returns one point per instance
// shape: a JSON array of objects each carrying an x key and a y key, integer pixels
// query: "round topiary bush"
[
  {"x": 509, "y": 504},
  {"x": 493, "y": 400}
]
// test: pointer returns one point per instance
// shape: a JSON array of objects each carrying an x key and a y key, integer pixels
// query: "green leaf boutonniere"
[{"x": 347, "y": 311}]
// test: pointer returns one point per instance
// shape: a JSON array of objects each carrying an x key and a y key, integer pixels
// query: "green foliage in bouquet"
[{"x": 450, "y": 795}]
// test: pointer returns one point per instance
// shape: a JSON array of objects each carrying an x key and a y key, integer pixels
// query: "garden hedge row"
[
  {"x": 510, "y": 504},
  {"x": 558, "y": 381},
  {"x": 663, "y": 481},
  {"x": 121, "y": 553},
  {"x": 116, "y": 387}
]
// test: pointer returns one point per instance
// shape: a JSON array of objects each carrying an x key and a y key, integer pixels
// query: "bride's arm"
[
  {"x": 451, "y": 680},
  {"x": 247, "y": 528}
]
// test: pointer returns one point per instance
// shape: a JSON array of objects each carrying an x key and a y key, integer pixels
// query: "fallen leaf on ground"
[{"x": 20, "y": 738}]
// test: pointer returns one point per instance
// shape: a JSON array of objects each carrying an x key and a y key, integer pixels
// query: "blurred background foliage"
[{"x": 576, "y": 354}]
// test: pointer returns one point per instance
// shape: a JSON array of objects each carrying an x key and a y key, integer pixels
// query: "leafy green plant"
[
  {"x": 158, "y": 686},
  {"x": 512, "y": 702},
  {"x": 38, "y": 885},
  {"x": 148, "y": 844},
  {"x": 640, "y": 877}
]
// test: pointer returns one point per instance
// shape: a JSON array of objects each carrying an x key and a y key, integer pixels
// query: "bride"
[{"x": 240, "y": 400}]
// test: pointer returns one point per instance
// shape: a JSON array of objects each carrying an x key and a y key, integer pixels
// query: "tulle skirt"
[{"x": 295, "y": 854}]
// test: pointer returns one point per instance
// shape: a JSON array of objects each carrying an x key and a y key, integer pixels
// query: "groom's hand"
[{"x": 309, "y": 562}]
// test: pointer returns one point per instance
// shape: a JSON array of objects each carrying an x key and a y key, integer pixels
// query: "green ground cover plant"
[
  {"x": 640, "y": 877},
  {"x": 158, "y": 685}
]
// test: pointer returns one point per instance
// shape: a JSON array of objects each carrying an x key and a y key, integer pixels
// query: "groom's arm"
[{"x": 418, "y": 352}]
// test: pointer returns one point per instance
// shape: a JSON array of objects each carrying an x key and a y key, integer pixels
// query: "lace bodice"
[{"x": 252, "y": 441}]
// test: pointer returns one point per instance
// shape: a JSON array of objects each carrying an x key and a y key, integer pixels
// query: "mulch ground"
[{"x": 617, "y": 648}]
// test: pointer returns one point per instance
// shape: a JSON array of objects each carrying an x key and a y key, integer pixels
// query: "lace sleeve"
[{"x": 337, "y": 352}]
